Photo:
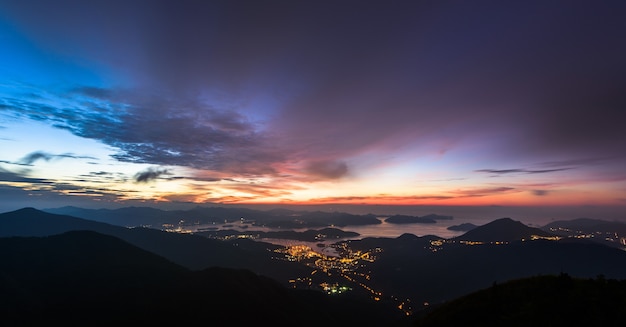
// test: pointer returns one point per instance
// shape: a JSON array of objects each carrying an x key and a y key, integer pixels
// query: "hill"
[
  {"x": 85, "y": 278},
  {"x": 430, "y": 269},
  {"x": 502, "y": 230},
  {"x": 553, "y": 300},
  {"x": 611, "y": 233},
  {"x": 191, "y": 251},
  {"x": 464, "y": 227}
]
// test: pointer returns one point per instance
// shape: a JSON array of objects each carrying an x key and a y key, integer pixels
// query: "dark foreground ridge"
[
  {"x": 537, "y": 301},
  {"x": 84, "y": 278}
]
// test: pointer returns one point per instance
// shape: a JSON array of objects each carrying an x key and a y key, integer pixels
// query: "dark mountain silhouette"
[
  {"x": 84, "y": 278},
  {"x": 462, "y": 227},
  {"x": 588, "y": 224},
  {"x": 404, "y": 245},
  {"x": 611, "y": 233},
  {"x": 503, "y": 229},
  {"x": 554, "y": 300},
  {"x": 429, "y": 269},
  {"x": 191, "y": 251}
]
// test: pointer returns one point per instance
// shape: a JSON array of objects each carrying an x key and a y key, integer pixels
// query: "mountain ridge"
[
  {"x": 502, "y": 229},
  {"x": 83, "y": 278},
  {"x": 191, "y": 251}
]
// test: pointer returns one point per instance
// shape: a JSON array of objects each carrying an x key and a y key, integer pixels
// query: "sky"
[{"x": 411, "y": 103}]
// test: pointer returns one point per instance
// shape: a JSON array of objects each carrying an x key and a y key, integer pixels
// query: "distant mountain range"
[
  {"x": 432, "y": 269},
  {"x": 191, "y": 251},
  {"x": 155, "y": 218},
  {"x": 609, "y": 233}
]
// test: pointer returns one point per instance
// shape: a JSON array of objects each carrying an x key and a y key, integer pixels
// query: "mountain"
[
  {"x": 588, "y": 224},
  {"x": 611, "y": 233},
  {"x": 191, "y": 251},
  {"x": 429, "y": 269},
  {"x": 464, "y": 227},
  {"x": 553, "y": 300},
  {"x": 502, "y": 230},
  {"x": 85, "y": 278}
]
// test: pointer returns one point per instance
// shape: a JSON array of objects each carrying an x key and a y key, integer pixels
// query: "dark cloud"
[
  {"x": 103, "y": 177},
  {"x": 33, "y": 157},
  {"x": 327, "y": 169},
  {"x": 207, "y": 179},
  {"x": 8, "y": 176},
  {"x": 100, "y": 173},
  {"x": 540, "y": 192},
  {"x": 258, "y": 191},
  {"x": 378, "y": 198},
  {"x": 150, "y": 174},
  {"x": 163, "y": 131},
  {"x": 44, "y": 190},
  {"x": 586, "y": 161},
  {"x": 30, "y": 158},
  {"x": 479, "y": 192},
  {"x": 520, "y": 171}
]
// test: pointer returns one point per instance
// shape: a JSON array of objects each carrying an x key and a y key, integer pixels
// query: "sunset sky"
[{"x": 446, "y": 103}]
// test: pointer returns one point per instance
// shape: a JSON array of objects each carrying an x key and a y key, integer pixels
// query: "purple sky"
[{"x": 354, "y": 102}]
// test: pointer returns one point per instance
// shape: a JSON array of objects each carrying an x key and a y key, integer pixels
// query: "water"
[{"x": 381, "y": 230}]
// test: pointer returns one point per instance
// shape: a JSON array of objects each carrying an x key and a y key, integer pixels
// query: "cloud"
[
  {"x": 258, "y": 191},
  {"x": 381, "y": 199},
  {"x": 520, "y": 171},
  {"x": 33, "y": 157},
  {"x": 162, "y": 131},
  {"x": 327, "y": 169},
  {"x": 540, "y": 192},
  {"x": 479, "y": 192},
  {"x": 372, "y": 78},
  {"x": 8, "y": 176},
  {"x": 150, "y": 174}
]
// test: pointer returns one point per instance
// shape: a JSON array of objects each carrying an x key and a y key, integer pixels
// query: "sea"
[
  {"x": 384, "y": 229},
  {"x": 533, "y": 217}
]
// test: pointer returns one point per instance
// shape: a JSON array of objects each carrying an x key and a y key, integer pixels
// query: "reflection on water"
[{"x": 395, "y": 230}]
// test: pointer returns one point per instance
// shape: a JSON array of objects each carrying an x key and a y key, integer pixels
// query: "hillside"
[
  {"x": 191, "y": 251},
  {"x": 502, "y": 230},
  {"x": 85, "y": 278},
  {"x": 552, "y": 300},
  {"x": 428, "y": 269},
  {"x": 611, "y": 233}
]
